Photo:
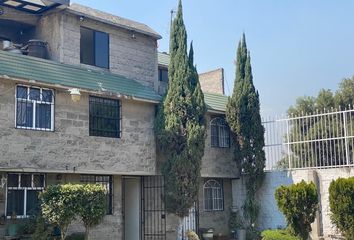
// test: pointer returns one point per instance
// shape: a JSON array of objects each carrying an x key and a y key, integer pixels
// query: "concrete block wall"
[
  {"x": 71, "y": 146},
  {"x": 217, "y": 162},
  {"x": 270, "y": 216},
  {"x": 133, "y": 58}
]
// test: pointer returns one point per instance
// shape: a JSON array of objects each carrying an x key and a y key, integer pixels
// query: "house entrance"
[
  {"x": 153, "y": 218},
  {"x": 131, "y": 193}
]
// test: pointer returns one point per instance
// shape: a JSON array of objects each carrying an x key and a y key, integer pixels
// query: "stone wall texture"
[
  {"x": 213, "y": 81},
  {"x": 70, "y": 145},
  {"x": 271, "y": 217}
]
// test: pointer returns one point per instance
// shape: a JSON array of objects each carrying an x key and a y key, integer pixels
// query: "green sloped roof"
[
  {"x": 216, "y": 102},
  {"x": 163, "y": 59},
  {"x": 50, "y": 72}
]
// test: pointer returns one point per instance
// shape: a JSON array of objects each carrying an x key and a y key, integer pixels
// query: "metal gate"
[
  {"x": 153, "y": 217},
  {"x": 191, "y": 222}
]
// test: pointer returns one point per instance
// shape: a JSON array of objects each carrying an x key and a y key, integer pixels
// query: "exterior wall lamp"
[{"x": 75, "y": 94}]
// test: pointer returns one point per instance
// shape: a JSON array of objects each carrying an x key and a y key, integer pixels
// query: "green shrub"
[
  {"x": 298, "y": 203},
  {"x": 277, "y": 235},
  {"x": 42, "y": 230},
  {"x": 341, "y": 202}
]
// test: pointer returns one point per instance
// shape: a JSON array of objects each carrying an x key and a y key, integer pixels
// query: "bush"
[
  {"x": 62, "y": 204},
  {"x": 341, "y": 202},
  {"x": 277, "y": 235},
  {"x": 298, "y": 203}
]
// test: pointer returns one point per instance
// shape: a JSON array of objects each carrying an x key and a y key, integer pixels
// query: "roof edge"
[{"x": 77, "y": 13}]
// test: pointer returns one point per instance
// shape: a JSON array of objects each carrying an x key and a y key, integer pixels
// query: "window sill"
[{"x": 35, "y": 129}]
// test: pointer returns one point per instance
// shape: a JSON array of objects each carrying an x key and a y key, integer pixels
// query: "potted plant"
[
  {"x": 236, "y": 225},
  {"x": 209, "y": 234},
  {"x": 14, "y": 226}
]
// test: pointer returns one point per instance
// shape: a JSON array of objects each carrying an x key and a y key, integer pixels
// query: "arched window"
[
  {"x": 213, "y": 195},
  {"x": 220, "y": 133}
]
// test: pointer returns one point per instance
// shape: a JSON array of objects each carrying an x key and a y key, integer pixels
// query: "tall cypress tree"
[
  {"x": 180, "y": 125},
  {"x": 243, "y": 116}
]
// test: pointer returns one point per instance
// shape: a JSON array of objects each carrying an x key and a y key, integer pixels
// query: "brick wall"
[{"x": 213, "y": 81}]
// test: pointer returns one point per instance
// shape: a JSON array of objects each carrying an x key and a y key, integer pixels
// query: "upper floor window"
[
  {"x": 104, "y": 117},
  {"x": 213, "y": 195},
  {"x": 106, "y": 182},
  {"x": 22, "y": 193},
  {"x": 34, "y": 108},
  {"x": 94, "y": 48},
  {"x": 163, "y": 75},
  {"x": 220, "y": 133}
]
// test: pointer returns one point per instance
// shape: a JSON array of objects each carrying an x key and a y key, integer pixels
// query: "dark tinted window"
[
  {"x": 163, "y": 75},
  {"x": 94, "y": 48},
  {"x": 86, "y": 46},
  {"x": 101, "y": 49}
]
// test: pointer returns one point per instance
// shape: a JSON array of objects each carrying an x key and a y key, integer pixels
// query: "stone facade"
[
  {"x": 271, "y": 217},
  {"x": 213, "y": 81},
  {"x": 70, "y": 145}
]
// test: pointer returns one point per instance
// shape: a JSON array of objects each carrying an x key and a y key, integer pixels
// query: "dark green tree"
[
  {"x": 324, "y": 153},
  {"x": 243, "y": 117},
  {"x": 180, "y": 125}
]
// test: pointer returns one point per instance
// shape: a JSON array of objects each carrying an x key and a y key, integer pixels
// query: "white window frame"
[
  {"x": 25, "y": 189},
  {"x": 34, "y": 102},
  {"x": 217, "y": 197},
  {"x": 223, "y": 132}
]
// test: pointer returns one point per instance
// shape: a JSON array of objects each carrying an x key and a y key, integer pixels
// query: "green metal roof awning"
[
  {"x": 34, "y": 6},
  {"x": 50, "y": 72}
]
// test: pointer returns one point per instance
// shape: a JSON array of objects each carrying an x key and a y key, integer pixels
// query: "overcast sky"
[{"x": 297, "y": 47}]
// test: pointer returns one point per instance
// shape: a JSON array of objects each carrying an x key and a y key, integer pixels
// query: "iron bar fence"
[{"x": 320, "y": 140}]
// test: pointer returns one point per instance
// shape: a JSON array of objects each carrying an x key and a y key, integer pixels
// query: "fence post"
[
  {"x": 288, "y": 141},
  {"x": 346, "y": 137}
]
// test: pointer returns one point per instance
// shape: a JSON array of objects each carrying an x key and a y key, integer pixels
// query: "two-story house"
[{"x": 78, "y": 96}]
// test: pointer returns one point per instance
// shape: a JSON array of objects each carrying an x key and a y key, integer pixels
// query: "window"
[
  {"x": 106, "y": 182},
  {"x": 213, "y": 195},
  {"x": 94, "y": 48},
  {"x": 104, "y": 117},
  {"x": 220, "y": 133},
  {"x": 22, "y": 193},
  {"x": 163, "y": 75},
  {"x": 34, "y": 108}
]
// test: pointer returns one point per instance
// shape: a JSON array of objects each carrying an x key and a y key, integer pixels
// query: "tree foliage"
[
  {"x": 61, "y": 204},
  {"x": 298, "y": 203},
  {"x": 180, "y": 124},
  {"x": 341, "y": 202},
  {"x": 243, "y": 117},
  {"x": 326, "y": 153},
  {"x": 92, "y": 206}
]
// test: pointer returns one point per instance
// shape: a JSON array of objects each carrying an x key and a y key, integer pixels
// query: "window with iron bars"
[
  {"x": 22, "y": 194},
  {"x": 220, "y": 133},
  {"x": 213, "y": 195},
  {"x": 105, "y": 117},
  {"x": 106, "y": 182},
  {"x": 34, "y": 108}
]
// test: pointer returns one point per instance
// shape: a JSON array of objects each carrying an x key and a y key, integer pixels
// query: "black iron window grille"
[
  {"x": 106, "y": 182},
  {"x": 22, "y": 194},
  {"x": 105, "y": 117},
  {"x": 220, "y": 133},
  {"x": 34, "y": 108},
  {"x": 213, "y": 195}
]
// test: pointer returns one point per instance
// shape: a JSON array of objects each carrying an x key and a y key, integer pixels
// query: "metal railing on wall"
[{"x": 321, "y": 140}]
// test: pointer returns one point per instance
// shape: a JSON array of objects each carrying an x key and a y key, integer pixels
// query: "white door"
[{"x": 132, "y": 208}]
